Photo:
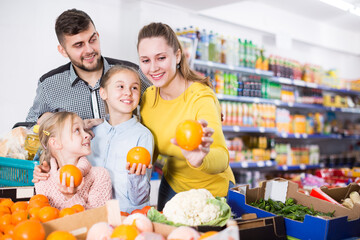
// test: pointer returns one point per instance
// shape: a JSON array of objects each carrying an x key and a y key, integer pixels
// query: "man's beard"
[{"x": 97, "y": 66}]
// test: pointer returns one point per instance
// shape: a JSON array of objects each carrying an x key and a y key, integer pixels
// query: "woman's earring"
[{"x": 178, "y": 66}]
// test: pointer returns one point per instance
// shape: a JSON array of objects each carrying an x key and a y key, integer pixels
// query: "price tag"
[
  {"x": 231, "y": 67},
  {"x": 260, "y": 164},
  {"x": 277, "y": 102},
  {"x": 305, "y": 135},
  {"x": 257, "y": 71},
  {"x": 256, "y": 100},
  {"x": 297, "y": 135},
  {"x": 244, "y": 165},
  {"x": 236, "y": 128},
  {"x": 209, "y": 63},
  {"x": 312, "y": 85},
  {"x": 285, "y": 167},
  {"x": 284, "y": 135},
  {"x": 261, "y": 129},
  {"x": 220, "y": 96},
  {"x": 302, "y": 166},
  {"x": 269, "y": 163},
  {"x": 290, "y": 104},
  {"x": 332, "y": 109}
]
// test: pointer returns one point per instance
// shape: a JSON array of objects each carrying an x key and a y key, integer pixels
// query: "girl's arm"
[{"x": 84, "y": 166}]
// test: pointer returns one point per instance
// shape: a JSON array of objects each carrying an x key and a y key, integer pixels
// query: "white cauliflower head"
[{"x": 191, "y": 208}]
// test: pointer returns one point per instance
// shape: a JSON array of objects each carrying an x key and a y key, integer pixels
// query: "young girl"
[
  {"x": 64, "y": 140},
  {"x": 121, "y": 131}
]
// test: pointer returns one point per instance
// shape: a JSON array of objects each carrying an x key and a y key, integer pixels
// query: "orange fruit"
[
  {"x": 9, "y": 229},
  {"x": 60, "y": 235},
  {"x": 125, "y": 232},
  {"x": 18, "y": 217},
  {"x": 78, "y": 208},
  {"x": 48, "y": 213},
  {"x": 4, "y": 209},
  {"x": 34, "y": 213},
  {"x": 71, "y": 170},
  {"x": 6, "y": 237},
  {"x": 21, "y": 205},
  {"x": 6, "y": 202},
  {"x": 37, "y": 203},
  {"x": 4, "y": 220},
  {"x": 188, "y": 134},
  {"x": 138, "y": 155},
  {"x": 66, "y": 211},
  {"x": 29, "y": 230},
  {"x": 125, "y": 214},
  {"x": 207, "y": 234},
  {"x": 39, "y": 197}
]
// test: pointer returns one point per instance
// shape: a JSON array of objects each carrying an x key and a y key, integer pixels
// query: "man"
[{"x": 75, "y": 86}]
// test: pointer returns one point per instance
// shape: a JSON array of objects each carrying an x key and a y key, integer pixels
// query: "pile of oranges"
[{"x": 22, "y": 220}]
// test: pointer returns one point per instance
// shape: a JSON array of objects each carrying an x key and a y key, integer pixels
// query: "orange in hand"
[
  {"x": 138, "y": 155},
  {"x": 188, "y": 134},
  {"x": 71, "y": 170}
]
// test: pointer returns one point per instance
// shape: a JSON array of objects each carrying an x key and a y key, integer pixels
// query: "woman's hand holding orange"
[{"x": 196, "y": 156}]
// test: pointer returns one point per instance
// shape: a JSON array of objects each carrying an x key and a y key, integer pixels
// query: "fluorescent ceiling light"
[{"x": 339, "y": 4}]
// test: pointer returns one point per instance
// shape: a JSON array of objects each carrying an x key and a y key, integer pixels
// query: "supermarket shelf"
[
  {"x": 308, "y": 136},
  {"x": 232, "y": 68},
  {"x": 249, "y": 129},
  {"x": 257, "y": 164},
  {"x": 285, "y": 104},
  {"x": 244, "y": 99},
  {"x": 301, "y": 83},
  {"x": 299, "y": 167}
]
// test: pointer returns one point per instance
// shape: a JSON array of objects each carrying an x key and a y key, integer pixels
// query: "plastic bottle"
[
  {"x": 32, "y": 142},
  {"x": 204, "y": 46},
  {"x": 241, "y": 53},
  {"x": 212, "y": 47}
]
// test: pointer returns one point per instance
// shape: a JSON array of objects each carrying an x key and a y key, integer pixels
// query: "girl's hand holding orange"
[
  {"x": 196, "y": 156},
  {"x": 138, "y": 160},
  {"x": 70, "y": 178}
]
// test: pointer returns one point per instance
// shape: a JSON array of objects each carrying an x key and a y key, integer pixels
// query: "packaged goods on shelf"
[{"x": 295, "y": 155}]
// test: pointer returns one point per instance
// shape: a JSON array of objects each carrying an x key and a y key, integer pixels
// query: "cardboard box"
[
  {"x": 79, "y": 224},
  {"x": 345, "y": 224},
  {"x": 269, "y": 228},
  {"x": 340, "y": 193}
]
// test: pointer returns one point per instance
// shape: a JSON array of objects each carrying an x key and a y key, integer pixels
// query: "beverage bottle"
[
  {"x": 246, "y": 53},
  {"x": 204, "y": 48},
  {"x": 32, "y": 142},
  {"x": 223, "y": 47},
  {"x": 198, "y": 47},
  {"x": 217, "y": 48},
  {"x": 252, "y": 56},
  {"x": 212, "y": 47},
  {"x": 241, "y": 53}
]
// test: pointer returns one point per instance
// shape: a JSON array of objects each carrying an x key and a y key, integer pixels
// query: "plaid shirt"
[{"x": 62, "y": 90}]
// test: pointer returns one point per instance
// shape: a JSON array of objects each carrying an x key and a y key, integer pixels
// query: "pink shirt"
[{"x": 93, "y": 192}]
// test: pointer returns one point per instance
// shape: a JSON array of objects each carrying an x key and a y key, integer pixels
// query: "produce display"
[
  {"x": 193, "y": 208},
  {"x": 289, "y": 209},
  {"x": 353, "y": 198}
]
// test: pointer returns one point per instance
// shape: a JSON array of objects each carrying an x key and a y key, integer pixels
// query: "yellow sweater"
[{"x": 197, "y": 102}]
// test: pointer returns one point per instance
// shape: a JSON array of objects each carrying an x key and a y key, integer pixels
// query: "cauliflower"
[{"x": 191, "y": 208}]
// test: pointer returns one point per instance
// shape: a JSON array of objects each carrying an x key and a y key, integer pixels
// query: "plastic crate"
[{"x": 16, "y": 172}]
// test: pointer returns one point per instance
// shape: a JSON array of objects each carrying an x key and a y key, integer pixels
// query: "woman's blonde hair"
[
  {"x": 165, "y": 31},
  {"x": 52, "y": 127},
  {"x": 113, "y": 70}
]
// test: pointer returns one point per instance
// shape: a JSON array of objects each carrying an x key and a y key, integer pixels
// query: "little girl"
[
  {"x": 64, "y": 140},
  {"x": 121, "y": 131}
]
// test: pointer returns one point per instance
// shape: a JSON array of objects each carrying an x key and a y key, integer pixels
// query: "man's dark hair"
[{"x": 71, "y": 22}]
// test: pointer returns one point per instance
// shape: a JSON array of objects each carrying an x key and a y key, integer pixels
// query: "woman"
[{"x": 178, "y": 94}]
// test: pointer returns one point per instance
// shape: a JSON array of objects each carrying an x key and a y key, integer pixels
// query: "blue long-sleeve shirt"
[{"x": 109, "y": 149}]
